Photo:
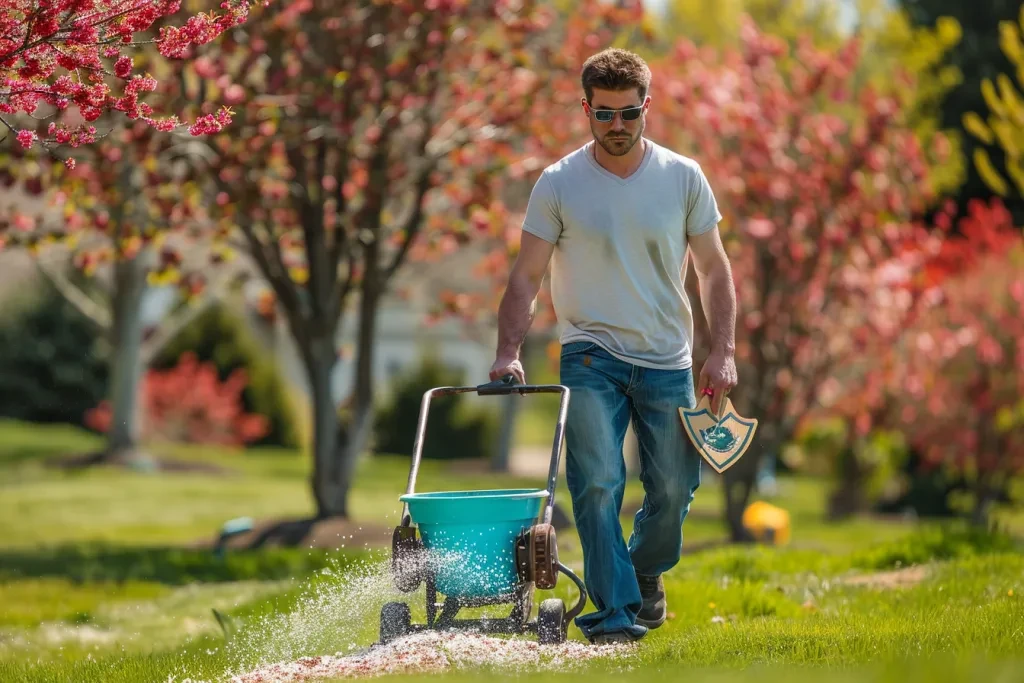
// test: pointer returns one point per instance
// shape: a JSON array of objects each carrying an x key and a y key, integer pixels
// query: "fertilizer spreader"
[{"x": 479, "y": 548}]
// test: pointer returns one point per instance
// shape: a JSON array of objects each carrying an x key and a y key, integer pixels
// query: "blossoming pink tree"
[
  {"x": 61, "y": 53},
  {"x": 375, "y": 134},
  {"x": 126, "y": 213}
]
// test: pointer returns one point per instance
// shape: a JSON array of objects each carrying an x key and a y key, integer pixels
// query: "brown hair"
[{"x": 615, "y": 69}]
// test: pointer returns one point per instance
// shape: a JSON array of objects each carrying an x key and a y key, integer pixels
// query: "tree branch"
[
  {"x": 311, "y": 217},
  {"x": 86, "y": 305},
  {"x": 64, "y": 32},
  {"x": 344, "y": 155},
  {"x": 438, "y": 149},
  {"x": 181, "y": 319},
  {"x": 342, "y": 289},
  {"x": 274, "y": 271},
  {"x": 170, "y": 328},
  {"x": 342, "y": 240},
  {"x": 414, "y": 222},
  {"x": 411, "y": 227}
]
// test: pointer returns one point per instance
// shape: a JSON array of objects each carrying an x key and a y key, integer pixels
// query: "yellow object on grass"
[{"x": 767, "y": 523}]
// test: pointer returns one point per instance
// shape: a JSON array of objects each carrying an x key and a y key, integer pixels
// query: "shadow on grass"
[
  {"x": 22, "y": 455},
  {"x": 135, "y": 460},
  {"x": 169, "y": 565},
  {"x": 329, "y": 533}
]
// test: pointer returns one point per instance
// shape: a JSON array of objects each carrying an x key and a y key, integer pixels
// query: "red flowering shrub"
[
  {"x": 949, "y": 375},
  {"x": 962, "y": 400},
  {"x": 189, "y": 404}
]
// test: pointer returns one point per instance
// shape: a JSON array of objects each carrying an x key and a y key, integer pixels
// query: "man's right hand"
[{"x": 508, "y": 366}]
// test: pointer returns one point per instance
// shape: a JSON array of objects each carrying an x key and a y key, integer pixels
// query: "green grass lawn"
[
  {"x": 98, "y": 582},
  {"x": 747, "y": 612}
]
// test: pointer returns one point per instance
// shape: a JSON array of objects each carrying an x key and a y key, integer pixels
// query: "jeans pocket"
[{"x": 578, "y": 347}]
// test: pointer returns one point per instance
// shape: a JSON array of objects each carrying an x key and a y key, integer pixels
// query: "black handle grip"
[{"x": 503, "y": 385}]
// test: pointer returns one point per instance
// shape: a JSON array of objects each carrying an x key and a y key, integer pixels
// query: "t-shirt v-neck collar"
[{"x": 648, "y": 153}]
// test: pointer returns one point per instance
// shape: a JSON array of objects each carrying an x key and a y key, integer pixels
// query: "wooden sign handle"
[{"x": 705, "y": 402}]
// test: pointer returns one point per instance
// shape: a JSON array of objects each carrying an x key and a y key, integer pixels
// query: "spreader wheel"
[
  {"x": 407, "y": 568},
  {"x": 544, "y": 553},
  {"x": 551, "y": 626},
  {"x": 395, "y": 621}
]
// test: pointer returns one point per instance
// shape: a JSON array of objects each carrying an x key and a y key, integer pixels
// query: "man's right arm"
[
  {"x": 542, "y": 227},
  {"x": 519, "y": 304}
]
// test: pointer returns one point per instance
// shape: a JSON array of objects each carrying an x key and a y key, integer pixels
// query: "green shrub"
[
  {"x": 455, "y": 430},
  {"x": 219, "y": 336},
  {"x": 951, "y": 540},
  {"x": 52, "y": 365}
]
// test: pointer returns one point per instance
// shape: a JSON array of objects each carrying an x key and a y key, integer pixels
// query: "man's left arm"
[
  {"x": 701, "y": 342},
  {"x": 718, "y": 298}
]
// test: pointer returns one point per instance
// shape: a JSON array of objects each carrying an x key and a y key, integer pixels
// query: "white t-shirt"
[{"x": 620, "y": 249}]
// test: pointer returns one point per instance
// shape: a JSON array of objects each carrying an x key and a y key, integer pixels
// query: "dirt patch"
[
  {"x": 331, "y": 533},
  {"x": 898, "y": 578}
]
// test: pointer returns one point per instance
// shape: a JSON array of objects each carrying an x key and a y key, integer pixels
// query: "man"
[{"x": 616, "y": 219}]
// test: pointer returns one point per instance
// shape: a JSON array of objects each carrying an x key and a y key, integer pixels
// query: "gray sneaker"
[
  {"x": 616, "y": 637},
  {"x": 654, "y": 610}
]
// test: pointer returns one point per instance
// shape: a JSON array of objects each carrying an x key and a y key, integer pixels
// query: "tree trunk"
[
  {"x": 360, "y": 423},
  {"x": 506, "y": 440},
  {"x": 849, "y": 497},
  {"x": 981, "y": 514},
  {"x": 338, "y": 443},
  {"x": 985, "y": 488},
  {"x": 739, "y": 481},
  {"x": 984, "y": 485},
  {"x": 321, "y": 360},
  {"x": 751, "y": 396},
  {"x": 357, "y": 436},
  {"x": 126, "y": 371},
  {"x": 737, "y": 485}
]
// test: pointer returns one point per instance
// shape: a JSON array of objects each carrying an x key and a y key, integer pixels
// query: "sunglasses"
[{"x": 628, "y": 114}]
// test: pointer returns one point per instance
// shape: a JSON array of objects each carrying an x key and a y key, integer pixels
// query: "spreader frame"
[
  {"x": 410, "y": 571},
  {"x": 500, "y": 387}
]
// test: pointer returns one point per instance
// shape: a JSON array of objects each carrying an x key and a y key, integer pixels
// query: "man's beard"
[{"x": 617, "y": 144}]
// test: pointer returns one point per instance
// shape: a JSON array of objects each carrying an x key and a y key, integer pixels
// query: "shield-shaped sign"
[{"x": 722, "y": 441}]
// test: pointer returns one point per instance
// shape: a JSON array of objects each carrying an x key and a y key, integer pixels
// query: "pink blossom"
[
  {"x": 760, "y": 228},
  {"x": 123, "y": 67},
  {"x": 210, "y": 123},
  {"x": 27, "y": 138}
]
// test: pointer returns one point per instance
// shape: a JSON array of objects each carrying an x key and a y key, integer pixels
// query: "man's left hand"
[{"x": 719, "y": 375}]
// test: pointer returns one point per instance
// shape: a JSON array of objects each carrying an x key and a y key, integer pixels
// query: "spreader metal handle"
[{"x": 500, "y": 387}]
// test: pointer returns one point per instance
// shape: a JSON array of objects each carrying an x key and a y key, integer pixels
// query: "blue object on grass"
[
  {"x": 239, "y": 525},
  {"x": 230, "y": 528}
]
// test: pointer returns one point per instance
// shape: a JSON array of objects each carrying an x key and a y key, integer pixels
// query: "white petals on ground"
[{"x": 433, "y": 652}]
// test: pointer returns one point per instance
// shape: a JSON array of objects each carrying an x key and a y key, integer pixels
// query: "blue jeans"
[{"x": 605, "y": 394}]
